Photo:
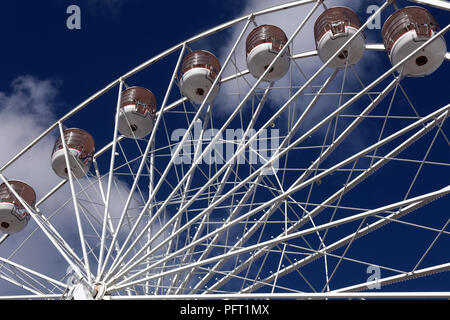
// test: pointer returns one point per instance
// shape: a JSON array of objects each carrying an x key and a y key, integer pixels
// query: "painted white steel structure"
[{"x": 148, "y": 227}]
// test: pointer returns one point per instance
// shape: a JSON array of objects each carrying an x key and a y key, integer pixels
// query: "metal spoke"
[{"x": 270, "y": 190}]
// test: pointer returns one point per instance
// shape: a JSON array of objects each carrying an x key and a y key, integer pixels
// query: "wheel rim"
[{"x": 203, "y": 224}]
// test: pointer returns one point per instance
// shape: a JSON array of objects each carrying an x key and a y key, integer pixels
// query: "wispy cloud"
[
  {"x": 26, "y": 110},
  {"x": 302, "y": 69}
]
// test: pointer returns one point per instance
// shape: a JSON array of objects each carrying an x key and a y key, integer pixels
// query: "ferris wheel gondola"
[{"x": 13, "y": 215}]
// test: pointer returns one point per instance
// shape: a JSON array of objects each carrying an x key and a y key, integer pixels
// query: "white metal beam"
[
  {"x": 284, "y": 238},
  {"x": 281, "y": 109},
  {"x": 145, "y": 65},
  {"x": 75, "y": 202},
  {"x": 360, "y": 94},
  {"x": 398, "y": 278},
  {"x": 445, "y": 5}
]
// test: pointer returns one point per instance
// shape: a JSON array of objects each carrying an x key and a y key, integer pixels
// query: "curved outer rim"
[
  {"x": 434, "y": 3},
  {"x": 148, "y": 63},
  {"x": 167, "y": 52},
  {"x": 386, "y": 24},
  {"x": 206, "y": 52}
]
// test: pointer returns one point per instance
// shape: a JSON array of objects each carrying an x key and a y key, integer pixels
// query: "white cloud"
[
  {"x": 25, "y": 112},
  {"x": 107, "y": 7}
]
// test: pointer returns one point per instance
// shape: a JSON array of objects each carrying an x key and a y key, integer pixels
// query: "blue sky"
[
  {"x": 40, "y": 54},
  {"x": 113, "y": 39}
]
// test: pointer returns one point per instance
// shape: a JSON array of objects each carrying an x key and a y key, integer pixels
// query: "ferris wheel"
[{"x": 269, "y": 169}]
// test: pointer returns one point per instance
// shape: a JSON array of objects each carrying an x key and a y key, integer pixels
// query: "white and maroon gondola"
[
  {"x": 198, "y": 72},
  {"x": 263, "y": 44},
  {"x": 332, "y": 29},
  {"x": 405, "y": 31},
  {"x": 13, "y": 215},
  {"x": 137, "y": 112},
  {"x": 80, "y": 147}
]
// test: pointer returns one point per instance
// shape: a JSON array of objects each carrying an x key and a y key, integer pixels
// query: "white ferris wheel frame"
[{"x": 111, "y": 280}]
